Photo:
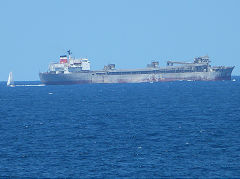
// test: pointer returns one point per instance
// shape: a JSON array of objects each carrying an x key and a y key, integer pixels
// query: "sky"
[{"x": 129, "y": 33}]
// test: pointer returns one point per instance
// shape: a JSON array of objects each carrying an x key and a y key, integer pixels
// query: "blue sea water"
[{"x": 169, "y": 129}]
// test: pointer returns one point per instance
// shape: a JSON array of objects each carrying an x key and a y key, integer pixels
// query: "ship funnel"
[{"x": 63, "y": 59}]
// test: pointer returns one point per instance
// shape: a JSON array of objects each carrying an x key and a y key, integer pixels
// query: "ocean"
[{"x": 146, "y": 130}]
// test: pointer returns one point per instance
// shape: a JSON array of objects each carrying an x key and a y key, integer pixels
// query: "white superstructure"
[{"x": 69, "y": 65}]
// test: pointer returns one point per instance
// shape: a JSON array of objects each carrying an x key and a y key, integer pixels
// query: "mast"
[{"x": 69, "y": 54}]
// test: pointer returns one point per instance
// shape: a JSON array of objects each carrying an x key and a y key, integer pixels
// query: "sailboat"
[{"x": 10, "y": 81}]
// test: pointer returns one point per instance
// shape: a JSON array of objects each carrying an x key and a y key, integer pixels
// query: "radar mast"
[{"x": 69, "y": 54}]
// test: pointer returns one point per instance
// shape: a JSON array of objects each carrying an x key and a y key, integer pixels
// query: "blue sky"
[{"x": 129, "y": 33}]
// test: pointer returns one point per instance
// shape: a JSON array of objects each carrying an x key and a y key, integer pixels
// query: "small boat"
[{"x": 10, "y": 81}]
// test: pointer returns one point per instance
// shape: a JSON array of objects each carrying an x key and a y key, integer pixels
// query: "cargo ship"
[{"x": 77, "y": 71}]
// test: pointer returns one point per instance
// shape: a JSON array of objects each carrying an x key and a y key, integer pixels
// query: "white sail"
[{"x": 10, "y": 81}]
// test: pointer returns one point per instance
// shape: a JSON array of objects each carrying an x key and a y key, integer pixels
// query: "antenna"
[{"x": 69, "y": 52}]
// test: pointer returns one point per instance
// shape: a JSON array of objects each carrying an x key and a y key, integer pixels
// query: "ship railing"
[{"x": 170, "y": 63}]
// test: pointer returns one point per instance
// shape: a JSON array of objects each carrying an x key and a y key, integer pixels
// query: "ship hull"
[{"x": 104, "y": 77}]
